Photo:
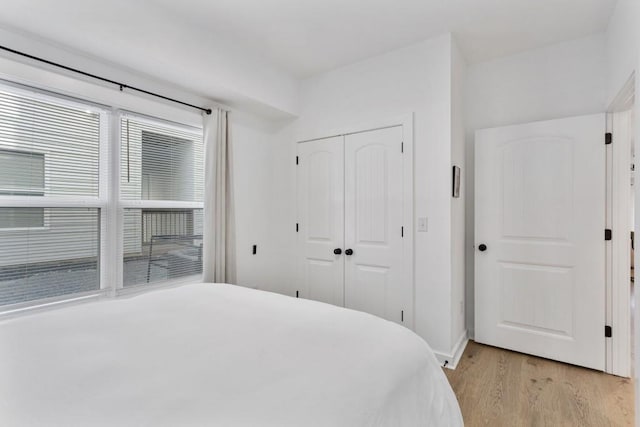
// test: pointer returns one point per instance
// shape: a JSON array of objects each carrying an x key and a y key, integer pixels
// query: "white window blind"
[
  {"x": 161, "y": 169},
  {"x": 49, "y": 196},
  {"x": 66, "y": 137}
]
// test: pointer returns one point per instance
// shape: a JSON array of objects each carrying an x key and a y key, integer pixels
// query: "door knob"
[
  {"x": 482, "y": 247},
  {"x": 349, "y": 252},
  {"x": 337, "y": 251}
]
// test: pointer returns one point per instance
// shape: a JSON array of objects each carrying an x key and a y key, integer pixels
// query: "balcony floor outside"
[{"x": 72, "y": 278}]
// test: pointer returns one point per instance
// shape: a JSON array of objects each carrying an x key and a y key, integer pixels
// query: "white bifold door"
[
  {"x": 350, "y": 223},
  {"x": 539, "y": 239}
]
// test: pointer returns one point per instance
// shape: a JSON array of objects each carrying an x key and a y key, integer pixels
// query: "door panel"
[
  {"x": 321, "y": 228},
  {"x": 540, "y": 206},
  {"x": 374, "y": 279}
]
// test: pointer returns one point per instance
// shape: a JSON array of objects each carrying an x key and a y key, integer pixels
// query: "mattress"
[{"x": 217, "y": 355}]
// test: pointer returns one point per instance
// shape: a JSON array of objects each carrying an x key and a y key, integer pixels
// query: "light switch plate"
[{"x": 422, "y": 224}]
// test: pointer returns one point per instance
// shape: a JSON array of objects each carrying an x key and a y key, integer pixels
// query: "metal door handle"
[
  {"x": 337, "y": 251},
  {"x": 482, "y": 247},
  {"x": 349, "y": 252}
]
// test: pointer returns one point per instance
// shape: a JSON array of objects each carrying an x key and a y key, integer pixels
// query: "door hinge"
[
  {"x": 608, "y": 138},
  {"x": 297, "y": 227},
  {"x": 402, "y": 231},
  {"x": 402, "y": 315},
  {"x": 297, "y": 294},
  {"x": 607, "y": 331},
  {"x": 402, "y": 147},
  {"x": 297, "y": 160},
  {"x": 607, "y": 234}
]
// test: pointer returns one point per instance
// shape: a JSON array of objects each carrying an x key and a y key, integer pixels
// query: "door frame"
[
  {"x": 406, "y": 121},
  {"x": 617, "y": 265}
]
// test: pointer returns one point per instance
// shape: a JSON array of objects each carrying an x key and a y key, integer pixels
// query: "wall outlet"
[{"x": 422, "y": 224}]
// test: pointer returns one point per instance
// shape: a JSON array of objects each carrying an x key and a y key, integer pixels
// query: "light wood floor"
[{"x": 498, "y": 387}]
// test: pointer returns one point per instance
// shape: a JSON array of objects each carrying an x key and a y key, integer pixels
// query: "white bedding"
[{"x": 217, "y": 355}]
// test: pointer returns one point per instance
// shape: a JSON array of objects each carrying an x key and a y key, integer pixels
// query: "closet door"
[
  {"x": 320, "y": 246},
  {"x": 374, "y": 202}
]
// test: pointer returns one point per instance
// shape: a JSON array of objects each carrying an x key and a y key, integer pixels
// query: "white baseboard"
[{"x": 451, "y": 360}]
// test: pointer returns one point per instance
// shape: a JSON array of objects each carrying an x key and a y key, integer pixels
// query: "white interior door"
[
  {"x": 321, "y": 220},
  {"x": 539, "y": 239},
  {"x": 374, "y": 280}
]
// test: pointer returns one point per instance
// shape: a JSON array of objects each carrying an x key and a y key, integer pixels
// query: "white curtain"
[{"x": 218, "y": 252}]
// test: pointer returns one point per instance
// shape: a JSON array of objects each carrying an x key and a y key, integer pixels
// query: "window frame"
[{"x": 99, "y": 202}]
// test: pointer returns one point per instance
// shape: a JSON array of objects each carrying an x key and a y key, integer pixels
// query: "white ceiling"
[
  {"x": 280, "y": 41},
  {"x": 304, "y": 37},
  {"x": 310, "y": 36}
]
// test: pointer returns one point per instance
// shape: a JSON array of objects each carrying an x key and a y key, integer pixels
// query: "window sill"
[
  {"x": 138, "y": 289},
  {"x": 32, "y": 307}
]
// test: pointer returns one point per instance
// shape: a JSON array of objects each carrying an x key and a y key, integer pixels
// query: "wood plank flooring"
[{"x": 497, "y": 387}]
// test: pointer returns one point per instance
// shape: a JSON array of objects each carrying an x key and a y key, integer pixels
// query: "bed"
[{"x": 219, "y": 355}]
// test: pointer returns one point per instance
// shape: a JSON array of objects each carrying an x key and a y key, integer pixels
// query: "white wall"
[
  {"x": 413, "y": 79},
  {"x": 562, "y": 80},
  {"x": 458, "y": 229},
  {"x": 622, "y": 42},
  {"x": 234, "y": 76},
  {"x": 253, "y": 139},
  {"x": 636, "y": 313}
]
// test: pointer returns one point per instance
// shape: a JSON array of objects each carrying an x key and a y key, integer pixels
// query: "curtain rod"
[{"x": 93, "y": 76}]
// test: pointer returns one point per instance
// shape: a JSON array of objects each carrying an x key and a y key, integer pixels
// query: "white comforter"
[{"x": 217, "y": 355}]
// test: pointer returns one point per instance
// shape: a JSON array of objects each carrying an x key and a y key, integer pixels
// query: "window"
[
  {"x": 61, "y": 260},
  {"x": 50, "y": 203},
  {"x": 13, "y": 218},
  {"x": 167, "y": 167},
  {"x": 161, "y": 169},
  {"x": 59, "y": 199},
  {"x": 21, "y": 174}
]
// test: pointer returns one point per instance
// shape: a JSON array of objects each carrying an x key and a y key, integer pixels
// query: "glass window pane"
[
  {"x": 161, "y": 244},
  {"x": 47, "y": 148},
  {"x": 159, "y": 162},
  {"x": 21, "y": 173},
  {"x": 21, "y": 217},
  {"x": 59, "y": 259}
]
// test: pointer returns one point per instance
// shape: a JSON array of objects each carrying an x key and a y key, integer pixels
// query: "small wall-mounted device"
[
  {"x": 422, "y": 224},
  {"x": 455, "y": 184}
]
